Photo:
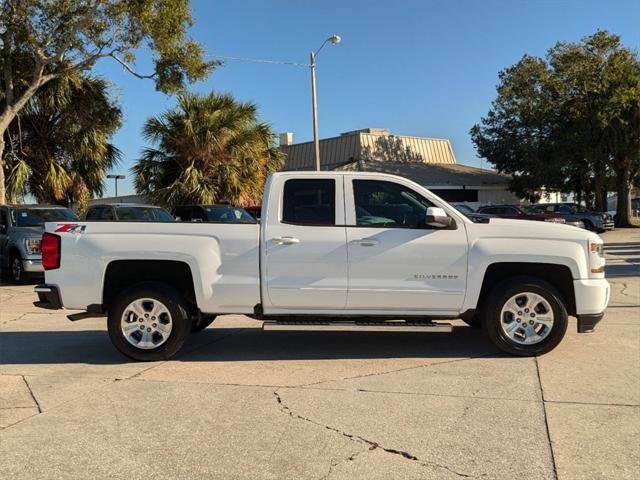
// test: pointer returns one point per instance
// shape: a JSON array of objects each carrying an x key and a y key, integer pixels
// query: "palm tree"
[
  {"x": 58, "y": 147},
  {"x": 209, "y": 148}
]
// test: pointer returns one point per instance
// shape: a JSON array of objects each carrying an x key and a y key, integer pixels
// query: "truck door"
[
  {"x": 396, "y": 261},
  {"x": 305, "y": 253}
]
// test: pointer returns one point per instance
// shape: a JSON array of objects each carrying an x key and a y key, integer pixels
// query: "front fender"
[{"x": 488, "y": 251}]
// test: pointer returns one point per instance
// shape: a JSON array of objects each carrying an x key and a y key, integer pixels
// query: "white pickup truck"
[{"x": 333, "y": 251}]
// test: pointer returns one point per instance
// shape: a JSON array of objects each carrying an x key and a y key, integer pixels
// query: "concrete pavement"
[{"x": 242, "y": 403}]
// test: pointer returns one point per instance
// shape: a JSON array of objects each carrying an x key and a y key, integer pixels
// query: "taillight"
[{"x": 50, "y": 251}]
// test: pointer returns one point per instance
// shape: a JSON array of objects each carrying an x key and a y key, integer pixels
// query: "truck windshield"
[{"x": 36, "y": 217}]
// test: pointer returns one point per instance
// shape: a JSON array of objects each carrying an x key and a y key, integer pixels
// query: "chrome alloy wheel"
[
  {"x": 146, "y": 323},
  {"x": 526, "y": 318}
]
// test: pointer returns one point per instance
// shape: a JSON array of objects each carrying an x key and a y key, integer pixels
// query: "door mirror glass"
[{"x": 437, "y": 217}]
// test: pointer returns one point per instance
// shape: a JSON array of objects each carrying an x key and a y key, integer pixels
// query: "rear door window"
[{"x": 309, "y": 202}]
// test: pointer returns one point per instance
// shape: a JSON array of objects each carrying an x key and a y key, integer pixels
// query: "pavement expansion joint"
[
  {"x": 403, "y": 369},
  {"x": 546, "y": 422},
  {"x": 370, "y": 443},
  {"x": 35, "y": 400}
]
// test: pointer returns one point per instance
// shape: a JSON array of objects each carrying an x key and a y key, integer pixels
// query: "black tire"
[
  {"x": 176, "y": 306},
  {"x": 588, "y": 225},
  {"x": 16, "y": 270},
  {"x": 501, "y": 293},
  {"x": 201, "y": 323}
]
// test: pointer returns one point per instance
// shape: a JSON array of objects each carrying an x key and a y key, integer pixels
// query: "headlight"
[{"x": 33, "y": 246}]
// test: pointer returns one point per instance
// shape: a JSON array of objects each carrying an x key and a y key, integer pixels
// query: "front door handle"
[
  {"x": 366, "y": 242},
  {"x": 286, "y": 240}
]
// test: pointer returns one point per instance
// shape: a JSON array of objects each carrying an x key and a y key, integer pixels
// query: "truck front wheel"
[
  {"x": 149, "y": 321},
  {"x": 525, "y": 316}
]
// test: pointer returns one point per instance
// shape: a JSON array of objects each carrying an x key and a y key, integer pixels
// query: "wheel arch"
[
  {"x": 122, "y": 274},
  {"x": 557, "y": 275}
]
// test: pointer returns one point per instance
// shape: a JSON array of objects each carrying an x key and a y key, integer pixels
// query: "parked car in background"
[
  {"x": 21, "y": 228},
  {"x": 597, "y": 222},
  {"x": 520, "y": 212},
  {"x": 212, "y": 213},
  {"x": 471, "y": 213},
  {"x": 127, "y": 212},
  {"x": 254, "y": 211}
]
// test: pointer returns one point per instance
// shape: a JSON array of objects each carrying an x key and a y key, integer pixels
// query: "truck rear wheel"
[
  {"x": 525, "y": 316},
  {"x": 149, "y": 321}
]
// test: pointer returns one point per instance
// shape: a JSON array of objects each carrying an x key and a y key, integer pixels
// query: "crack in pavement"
[
  {"x": 21, "y": 316},
  {"x": 334, "y": 463},
  {"x": 372, "y": 445}
]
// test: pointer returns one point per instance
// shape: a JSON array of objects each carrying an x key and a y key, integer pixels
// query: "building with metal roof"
[{"x": 430, "y": 162}]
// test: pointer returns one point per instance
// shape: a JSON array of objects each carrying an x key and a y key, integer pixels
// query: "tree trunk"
[
  {"x": 2, "y": 187},
  {"x": 623, "y": 210},
  {"x": 599, "y": 188}
]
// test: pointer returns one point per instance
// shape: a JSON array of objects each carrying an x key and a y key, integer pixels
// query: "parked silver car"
[{"x": 21, "y": 228}]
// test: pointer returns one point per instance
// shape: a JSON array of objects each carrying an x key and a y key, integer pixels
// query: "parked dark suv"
[
  {"x": 212, "y": 213},
  {"x": 598, "y": 222},
  {"x": 127, "y": 212}
]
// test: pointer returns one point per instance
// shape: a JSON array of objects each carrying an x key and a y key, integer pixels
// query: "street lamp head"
[{"x": 335, "y": 39}]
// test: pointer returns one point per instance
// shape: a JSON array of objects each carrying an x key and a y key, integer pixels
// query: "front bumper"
[
  {"x": 48, "y": 297},
  {"x": 607, "y": 226},
  {"x": 587, "y": 323},
  {"x": 32, "y": 266},
  {"x": 592, "y": 298}
]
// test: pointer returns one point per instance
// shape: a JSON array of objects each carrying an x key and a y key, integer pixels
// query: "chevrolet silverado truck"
[{"x": 333, "y": 251}]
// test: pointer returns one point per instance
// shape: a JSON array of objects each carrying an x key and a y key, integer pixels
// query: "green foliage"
[
  {"x": 209, "y": 148},
  {"x": 45, "y": 40},
  {"x": 71, "y": 35},
  {"x": 59, "y": 148},
  {"x": 566, "y": 122}
]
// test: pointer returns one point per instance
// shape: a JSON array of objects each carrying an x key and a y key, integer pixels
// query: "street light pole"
[
  {"x": 334, "y": 39},
  {"x": 314, "y": 102},
  {"x": 116, "y": 178}
]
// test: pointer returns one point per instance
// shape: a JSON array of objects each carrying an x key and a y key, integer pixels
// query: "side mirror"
[{"x": 436, "y": 217}]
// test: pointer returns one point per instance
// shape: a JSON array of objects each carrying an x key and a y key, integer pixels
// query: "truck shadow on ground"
[{"x": 246, "y": 345}]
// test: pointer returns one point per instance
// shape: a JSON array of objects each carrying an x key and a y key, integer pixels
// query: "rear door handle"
[
  {"x": 286, "y": 240},
  {"x": 366, "y": 242}
]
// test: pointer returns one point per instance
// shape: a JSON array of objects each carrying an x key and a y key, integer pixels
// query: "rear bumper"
[{"x": 48, "y": 297}]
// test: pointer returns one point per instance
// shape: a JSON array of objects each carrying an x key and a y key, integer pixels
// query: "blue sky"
[{"x": 426, "y": 68}]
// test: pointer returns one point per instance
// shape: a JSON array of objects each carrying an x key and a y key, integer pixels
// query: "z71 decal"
[{"x": 71, "y": 228}]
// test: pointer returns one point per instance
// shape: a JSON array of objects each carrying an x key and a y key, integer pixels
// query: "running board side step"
[{"x": 337, "y": 326}]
